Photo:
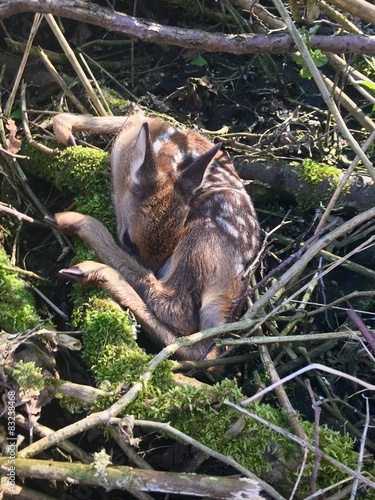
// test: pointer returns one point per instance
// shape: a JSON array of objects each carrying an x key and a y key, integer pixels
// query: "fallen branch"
[
  {"x": 89, "y": 12},
  {"x": 311, "y": 337},
  {"x": 359, "y": 193},
  {"x": 358, "y": 8},
  {"x": 127, "y": 478}
]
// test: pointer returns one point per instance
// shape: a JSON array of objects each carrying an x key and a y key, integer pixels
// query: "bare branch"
[{"x": 149, "y": 31}]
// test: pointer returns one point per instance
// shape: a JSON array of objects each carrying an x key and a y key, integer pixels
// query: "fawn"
[{"x": 186, "y": 227}]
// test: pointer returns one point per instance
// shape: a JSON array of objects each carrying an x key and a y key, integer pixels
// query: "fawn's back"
[
  {"x": 184, "y": 216},
  {"x": 182, "y": 209}
]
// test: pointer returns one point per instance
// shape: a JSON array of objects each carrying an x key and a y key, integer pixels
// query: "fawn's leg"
[{"x": 130, "y": 283}]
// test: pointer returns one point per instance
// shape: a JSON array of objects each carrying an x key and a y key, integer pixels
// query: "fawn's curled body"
[{"x": 186, "y": 227}]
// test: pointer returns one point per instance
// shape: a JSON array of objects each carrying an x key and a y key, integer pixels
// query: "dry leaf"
[{"x": 13, "y": 144}]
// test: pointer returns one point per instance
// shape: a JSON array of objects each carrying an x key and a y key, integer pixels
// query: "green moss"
[
  {"x": 338, "y": 446},
  {"x": 73, "y": 405},
  {"x": 126, "y": 364},
  {"x": 318, "y": 174},
  {"x": 201, "y": 413},
  {"x": 84, "y": 172},
  {"x": 105, "y": 324},
  {"x": 120, "y": 363},
  {"x": 28, "y": 376},
  {"x": 78, "y": 169},
  {"x": 17, "y": 309},
  {"x": 99, "y": 206},
  {"x": 117, "y": 103},
  {"x": 111, "y": 351}
]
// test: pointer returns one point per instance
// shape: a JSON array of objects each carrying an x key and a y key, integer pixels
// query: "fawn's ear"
[
  {"x": 142, "y": 157},
  {"x": 191, "y": 178}
]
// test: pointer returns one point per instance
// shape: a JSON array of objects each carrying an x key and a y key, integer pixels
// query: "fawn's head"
[{"x": 152, "y": 208}]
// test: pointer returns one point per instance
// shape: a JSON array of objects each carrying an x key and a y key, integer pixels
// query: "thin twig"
[
  {"x": 333, "y": 304},
  {"x": 300, "y": 473},
  {"x": 20, "y": 216},
  {"x": 61, "y": 82},
  {"x": 21, "y": 68},
  {"x": 358, "y": 323},
  {"x": 331, "y": 257},
  {"x": 24, "y": 272},
  {"x": 74, "y": 62},
  {"x": 292, "y": 257},
  {"x": 312, "y": 366},
  {"x": 361, "y": 449},
  {"x": 322, "y": 86},
  {"x": 108, "y": 74},
  {"x": 344, "y": 179},
  {"x": 317, "y": 414},
  {"x": 286, "y": 339},
  {"x": 281, "y": 394},
  {"x": 13, "y": 155},
  {"x": 26, "y": 128},
  {"x": 320, "y": 493},
  {"x": 352, "y": 107},
  {"x": 57, "y": 310}
]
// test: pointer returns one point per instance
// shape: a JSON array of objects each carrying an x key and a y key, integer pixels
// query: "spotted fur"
[{"x": 186, "y": 225}]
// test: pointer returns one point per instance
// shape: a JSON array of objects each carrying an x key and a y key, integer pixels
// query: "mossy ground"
[
  {"x": 111, "y": 352},
  {"x": 83, "y": 172},
  {"x": 17, "y": 308}
]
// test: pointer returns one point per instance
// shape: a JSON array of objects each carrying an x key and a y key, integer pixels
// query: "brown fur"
[{"x": 187, "y": 227}]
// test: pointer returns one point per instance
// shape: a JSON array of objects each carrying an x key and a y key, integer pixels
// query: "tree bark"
[
  {"x": 284, "y": 178},
  {"x": 89, "y": 12},
  {"x": 127, "y": 478},
  {"x": 358, "y": 8}
]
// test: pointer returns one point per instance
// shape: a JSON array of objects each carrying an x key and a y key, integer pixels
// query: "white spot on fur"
[
  {"x": 241, "y": 221},
  {"x": 162, "y": 139},
  {"x": 177, "y": 159},
  {"x": 227, "y": 227},
  {"x": 208, "y": 224},
  {"x": 157, "y": 145}
]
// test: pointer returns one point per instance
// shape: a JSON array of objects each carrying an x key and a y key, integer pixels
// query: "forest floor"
[{"x": 263, "y": 111}]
